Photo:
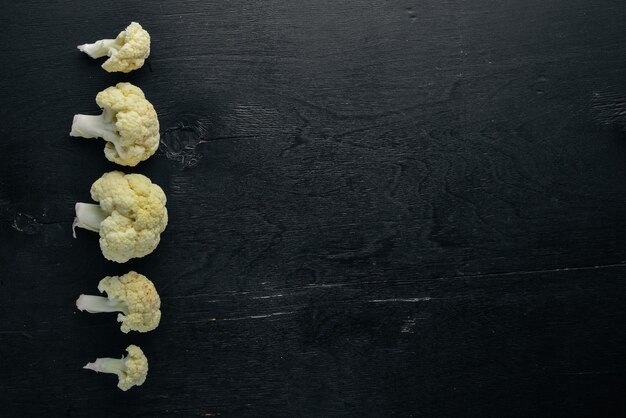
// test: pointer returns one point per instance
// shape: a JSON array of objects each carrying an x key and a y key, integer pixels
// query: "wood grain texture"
[{"x": 377, "y": 208}]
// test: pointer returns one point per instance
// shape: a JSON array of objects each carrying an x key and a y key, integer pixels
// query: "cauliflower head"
[
  {"x": 138, "y": 299},
  {"x": 128, "y": 123},
  {"x": 136, "y": 215},
  {"x": 126, "y": 53},
  {"x": 136, "y": 122},
  {"x": 135, "y": 369},
  {"x": 131, "y": 370}
]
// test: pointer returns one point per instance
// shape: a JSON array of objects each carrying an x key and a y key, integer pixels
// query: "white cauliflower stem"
[
  {"x": 131, "y": 370},
  {"x": 126, "y": 53},
  {"x": 130, "y": 218},
  {"x": 128, "y": 123},
  {"x": 131, "y": 294},
  {"x": 89, "y": 217}
]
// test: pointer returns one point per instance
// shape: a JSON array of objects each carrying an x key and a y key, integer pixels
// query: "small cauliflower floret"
[
  {"x": 130, "y": 218},
  {"x": 128, "y": 123},
  {"x": 126, "y": 53},
  {"x": 131, "y": 294},
  {"x": 131, "y": 370}
]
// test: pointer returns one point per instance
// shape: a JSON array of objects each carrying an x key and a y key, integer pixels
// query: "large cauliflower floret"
[
  {"x": 132, "y": 294},
  {"x": 128, "y": 123},
  {"x": 131, "y": 370},
  {"x": 126, "y": 53},
  {"x": 130, "y": 218}
]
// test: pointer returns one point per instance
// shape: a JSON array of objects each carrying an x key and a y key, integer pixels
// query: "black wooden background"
[{"x": 377, "y": 208}]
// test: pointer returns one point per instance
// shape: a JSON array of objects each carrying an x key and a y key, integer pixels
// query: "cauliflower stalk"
[
  {"x": 132, "y": 294},
  {"x": 126, "y": 53},
  {"x": 130, "y": 217},
  {"x": 128, "y": 123},
  {"x": 131, "y": 370}
]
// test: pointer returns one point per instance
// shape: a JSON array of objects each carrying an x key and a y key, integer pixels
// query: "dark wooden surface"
[{"x": 377, "y": 208}]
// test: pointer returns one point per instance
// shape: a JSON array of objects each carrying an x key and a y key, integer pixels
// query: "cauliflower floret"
[
  {"x": 130, "y": 218},
  {"x": 126, "y": 53},
  {"x": 131, "y": 370},
  {"x": 132, "y": 294},
  {"x": 128, "y": 123}
]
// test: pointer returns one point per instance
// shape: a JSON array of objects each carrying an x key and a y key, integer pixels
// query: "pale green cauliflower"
[
  {"x": 130, "y": 218},
  {"x": 131, "y": 370},
  {"x": 132, "y": 294},
  {"x": 128, "y": 123},
  {"x": 126, "y": 53}
]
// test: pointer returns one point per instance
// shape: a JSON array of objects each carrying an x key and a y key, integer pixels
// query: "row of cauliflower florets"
[{"x": 131, "y": 214}]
